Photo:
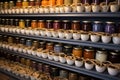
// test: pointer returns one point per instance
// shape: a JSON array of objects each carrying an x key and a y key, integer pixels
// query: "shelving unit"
[{"x": 110, "y": 46}]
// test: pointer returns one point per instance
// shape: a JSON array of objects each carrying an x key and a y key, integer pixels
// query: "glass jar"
[
  {"x": 63, "y": 74},
  {"x": 73, "y": 76},
  {"x": 52, "y": 2},
  {"x": 19, "y": 3},
  {"x": 42, "y": 44},
  {"x": 1, "y": 5},
  {"x": 49, "y": 24},
  {"x": 96, "y": 1},
  {"x": 46, "y": 69},
  {"x": 10, "y": 39},
  {"x": 16, "y": 23},
  {"x": 66, "y": 25},
  {"x": 35, "y": 44},
  {"x": 58, "y": 48},
  {"x": 6, "y": 5},
  {"x": 44, "y": 2},
  {"x": 25, "y": 3},
  {"x": 88, "y": 53},
  {"x": 31, "y": 3},
  {"x": 110, "y": 27},
  {"x": 22, "y": 61},
  {"x": 17, "y": 59},
  {"x": 114, "y": 57},
  {"x": 98, "y": 26},
  {"x": 34, "y": 65},
  {"x": 41, "y": 24},
  {"x": 75, "y": 25},
  {"x": 76, "y": 1},
  {"x": 54, "y": 72},
  {"x": 118, "y": 28},
  {"x": 17, "y": 40},
  {"x": 101, "y": 56},
  {"x": 1, "y": 38},
  {"x": 5, "y": 39},
  {"x": 27, "y": 23},
  {"x": 11, "y": 4},
  {"x": 56, "y": 25},
  {"x": 22, "y": 41},
  {"x": 68, "y": 2},
  {"x": 28, "y": 43},
  {"x": 11, "y": 22},
  {"x": 40, "y": 67},
  {"x": 34, "y": 24},
  {"x": 7, "y": 22},
  {"x": 77, "y": 51},
  {"x": 86, "y": 1},
  {"x": 50, "y": 46},
  {"x": 21, "y": 23},
  {"x": 28, "y": 62},
  {"x": 37, "y": 2},
  {"x": 86, "y": 26},
  {"x": 59, "y": 2},
  {"x": 67, "y": 49}
]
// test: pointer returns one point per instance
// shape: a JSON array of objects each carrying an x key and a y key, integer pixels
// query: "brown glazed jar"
[
  {"x": 75, "y": 25},
  {"x": 88, "y": 54},
  {"x": 19, "y": 3},
  {"x": 73, "y": 76},
  {"x": 50, "y": 46},
  {"x": 86, "y": 26},
  {"x": 56, "y": 25},
  {"x": 49, "y": 24},
  {"x": 34, "y": 24},
  {"x": 66, "y": 25},
  {"x": 35, "y": 44},
  {"x": 33, "y": 65},
  {"x": 22, "y": 60},
  {"x": 28, "y": 62},
  {"x": 42, "y": 44}
]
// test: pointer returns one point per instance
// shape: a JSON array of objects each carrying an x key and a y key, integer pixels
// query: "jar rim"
[
  {"x": 97, "y": 22},
  {"x": 86, "y": 21},
  {"x": 109, "y": 22}
]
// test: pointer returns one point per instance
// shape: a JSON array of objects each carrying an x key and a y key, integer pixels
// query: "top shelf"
[{"x": 100, "y": 14}]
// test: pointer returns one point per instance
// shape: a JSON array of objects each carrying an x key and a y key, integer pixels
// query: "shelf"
[
  {"x": 84, "y": 14},
  {"x": 71, "y": 41},
  {"x": 82, "y": 70}
]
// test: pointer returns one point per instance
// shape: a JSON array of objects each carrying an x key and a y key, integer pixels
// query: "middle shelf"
[{"x": 68, "y": 41}]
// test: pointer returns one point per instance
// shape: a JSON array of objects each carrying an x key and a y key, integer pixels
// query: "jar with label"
[
  {"x": 73, "y": 76},
  {"x": 34, "y": 24},
  {"x": 77, "y": 51},
  {"x": 28, "y": 62},
  {"x": 37, "y": 2},
  {"x": 27, "y": 23},
  {"x": 11, "y": 4},
  {"x": 28, "y": 43},
  {"x": 59, "y": 2},
  {"x": 110, "y": 27},
  {"x": 35, "y": 44},
  {"x": 22, "y": 41},
  {"x": 40, "y": 67},
  {"x": 42, "y": 44},
  {"x": 66, "y": 25},
  {"x": 50, "y": 46},
  {"x": 67, "y": 49},
  {"x": 114, "y": 57},
  {"x": 22, "y": 60},
  {"x": 49, "y": 24},
  {"x": 31, "y": 3},
  {"x": 75, "y": 25},
  {"x": 63, "y": 74},
  {"x": 33, "y": 65},
  {"x": 52, "y": 2},
  {"x": 98, "y": 26},
  {"x": 25, "y": 3},
  {"x": 54, "y": 72},
  {"x": 19, "y": 3},
  {"x": 88, "y": 54},
  {"x": 21, "y": 23},
  {"x": 56, "y": 25},
  {"x": 10, "y": 39},
  {"x": 41, "y": 24},
  {"x": 44, "y": 2},
  {"x": 46, "y": 69},
  {"x": 68, "y": 2},
  {"x": 101, "y": 56},
  {"x": 86, "y": 26},
  {"x": 58, "y": 48},
  {"x": 16, "y": 23},
  {"x": 6, "y": 5}
]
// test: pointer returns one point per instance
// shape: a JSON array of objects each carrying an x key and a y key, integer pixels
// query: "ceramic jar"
[
  {"x": 95, "y": 37},
  {"x": 76, "y": 35},
  {"x": 96, "y": 8},
  {"x": 67, "y": 8},
  {"x": 106, "y": 38},
  {"x": 114, "y": 7},
  {"x": 97, "y": 26},
  {"x": 80, "y": 7}
]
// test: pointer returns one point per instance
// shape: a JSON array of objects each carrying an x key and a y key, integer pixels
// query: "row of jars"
[
  {"x": 95, "y": 26},
  {"x": 113, "y": 69},
  {"x": 100, "y": 54},
  {"x": 54, "y": 72}
]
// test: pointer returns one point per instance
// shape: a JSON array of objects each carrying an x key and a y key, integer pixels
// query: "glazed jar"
[
  {"x": 27, "y": 23},
  {"x": 110, "y": 27},
  {"x": 34, "y": 24},
  {"x": 46, "y": 69},
  {"x": 98, "y": 26},
  {"x": 59, "y": 2},
  {"x": 10, "y": 39},
  {"x": 63, "y": 74},
  {"x": 41, "y": 24},
  {"x": 40, "y": 67},
  {"x": 68, "y": 2},
  {"x": 75, "y": 25},
  {"x": 35, "y": 44},
  {"x": 28, "y": 43},
  {"x": 66, "y": 25},
  {"x": 96, "y": 1},
  {"x": 86, "y": 26},
  {"x": 37, "y": 2},
  {"x": 114, "y": 57},
  {"x": 31, "y": 3},
  {"x": 52, "y": 2},
  {"x": 50, "y": 46},
  {"x": 88, "y": 54},
  {"x": 101, "y": 56},
  {"x": 22, "y": 61},
  {"x": 25, "y": 3},
  {"x": 42, "y": 45},
  {"x": 16, "y": 23},
  {"x": 67, "y": 49},
  {"x": 44, "y": 2},
  {"x": 28, "y": 62},
  {"x": 21, "y": 23},
  {"x": 6, "y": 5},
  {"x": 56, "y": 25},
  {"x": 49, "y": 24},
  {"x": 73, "y": 76},
  {"x": 57, "y": 48},
  {"x": 19, "y": 3},
  {"x": 54, "y": 72},
  {"x": 86, "y": 1},
  {"x": 11, "y": 4},
  {"x": 22, "y": 41},
  {"x": 33, "y": 65},
  {"x": 77, "y": 52}
]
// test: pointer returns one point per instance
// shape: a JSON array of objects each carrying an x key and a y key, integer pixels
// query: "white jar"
[{"x": 101, "y": 56}]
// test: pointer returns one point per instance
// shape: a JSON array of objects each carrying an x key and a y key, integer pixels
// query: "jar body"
[
  {"x": 98, "y": 27},
  {"x": 59, "y": 2},
  {"x": 75, "y": 25},
  {"x": 19, "y": 4},
  {"x": 73, "y": 76},
  {"x": 35, "y": 44},
  {"x": 27, "y": 23},
  {"x": 42, "y": 45},
  {"x": 110, "y": 27},
  {"x": 25, "y": 4},
  {"x": 52, "y": 2},
  {"x": 32, "y": 3},
  {"x": 11, "y": 4},
  {"x": 77, "y": 52},
  {"x": 28, "y": 43},
  {"x": 86, "y": 26},
  {"x": 21, "y": 24},
  {"x": 57, "y": 48},
  {"x": 50, "y": 46},
  {"x": 88, "y": 54},
  {"x": 66, "y": 25},
  {"x": 67, "y": 50},
  {"x": 41, "y": 24},
  {"x": 101, "y": 56},
  {"x": 56, "y": 25},
  {"x": 114, "y": 57},
  {"x": 63, "y": 74}
]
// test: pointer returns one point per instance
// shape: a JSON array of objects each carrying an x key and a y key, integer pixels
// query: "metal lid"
[
  {"x": 21, "y": 20},
  {"x": 57, "y": 44},
  {"x": 42, "y": 42},
  {"x": 25, "y": 0},
  {"x": 75, "y": 21},
  {"x": 57, "y": 21},
  {"x": 34, "y": 20},
  {"x": 109, "y": 22},
  {"x": 27, "y": 20},
  {"x": 86, "y": 21},
  {"x": 77, "y": 48},
  {"x": 11, "y": 1},
  {"x": 67, "y": 46},
  {"x": 66, "y": 21},
  {"x": 89, "y": 50},
  {"x": 19, "y": 1},
  {"x": 40, "y": 20},
  {"x": 97, "y": 22},
  {"x": 49, "y": 43},
  {"x": 31, "y": 0},
  {"x": 48, "y": 20}
]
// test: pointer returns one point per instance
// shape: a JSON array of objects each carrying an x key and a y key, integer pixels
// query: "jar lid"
[
  {"x": 66, "y": 21},
  {"x": 109, "y": 22},
  {"x": 40, "y": 20},
  {"x": 11, "y": 1},
  {"x": 113, "y": 53},
  {"x": 49, "y": 20},
  {"x": 49, "y": 43},
  {"x": 68, "y": 46},
  {"x": 97, "y": 22},
  {"x": 57, "y": 45},
  {"x": 28, "y": 40},
  {"x": 57, "y": 21},
  {"x": 86, "y": 21},
  {"x": 21, "y": 20},
  {"x": 27, "y": 20},
  {"x": 1, "y": 2},
  {"x": 34, "y": 20},
  {"x": 18, "y": 0},
  {"x": 16, "y": 20},
  {"x": 25, "y": 0},
  {"x": 77, "y": 48},
  {"x": 89, "y": 50},
  {"x": 6, "y": 2},
  {"x": 75, "y": 21},
  {"x": 42, "y": 42},
  {"x": 35, "y": 41},
  {"x": 31, "y": 0}
]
